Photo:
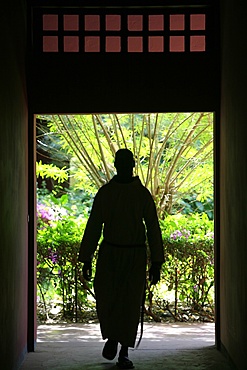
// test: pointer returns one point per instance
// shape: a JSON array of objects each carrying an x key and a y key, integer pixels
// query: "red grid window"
[{"x": 135, "y": 32}]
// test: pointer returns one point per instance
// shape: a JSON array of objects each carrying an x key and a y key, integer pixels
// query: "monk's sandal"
[{"x": 124, "y": 363}]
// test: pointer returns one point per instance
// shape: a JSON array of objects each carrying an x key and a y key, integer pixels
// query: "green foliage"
[
  {"x": 58, "y": 270},
  {"x": 75, "y": 201},
  {"x": 194, "y": 203},
  {"x": 189, "y": 260},
  {"x": 173, "y": 151},
  {"x": 51, "y": 171},
  {"x": 188, "y": 271}
]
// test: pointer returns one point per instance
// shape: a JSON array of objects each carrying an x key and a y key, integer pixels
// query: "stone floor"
[{"x": 164, "y": 346}]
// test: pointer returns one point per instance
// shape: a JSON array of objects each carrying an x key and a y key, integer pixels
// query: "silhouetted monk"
[{"x": 121, "y": 208}]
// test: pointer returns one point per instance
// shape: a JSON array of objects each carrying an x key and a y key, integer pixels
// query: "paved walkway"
[{"x": 164, "y": 346}]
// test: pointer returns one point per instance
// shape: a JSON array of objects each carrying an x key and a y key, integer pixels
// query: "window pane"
[
  {"x": 92, "y": 44},
  {"x": 177, "y": 43},
  {"x": 92, "y": 23},
  {"x": 197, "y": 22},
  {"x": 71, "y": 43},
  {"x": 176, "y": 22},
  {"x": 113, "y": 44},
  {"x": 156, "y": 22},
  {"x": 113, "y": 22},
  {"x": 50, "y": 22},
  {"x": 50, "y": 43},
  {"x": 135, "y": 44},
  {"x": 197, "y": 43},
  {"x": 156, "y": 44},
  {"x": 71, "y": 22},
  {"x": 135, "y": 22}
]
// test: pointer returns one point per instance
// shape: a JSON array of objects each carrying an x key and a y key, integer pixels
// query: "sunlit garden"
[{"x": 174, "y": 160}]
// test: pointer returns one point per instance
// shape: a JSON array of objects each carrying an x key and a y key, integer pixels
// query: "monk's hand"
[
  {"x": 154, "y": 273},
  {"x": 87, "y": 270}
]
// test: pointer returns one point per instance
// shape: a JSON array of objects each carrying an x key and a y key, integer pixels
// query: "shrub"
[
  {"x": 188, "y": 270},
  {"x": 187, "y": 274},
  {"x": 58, "y": 270}
]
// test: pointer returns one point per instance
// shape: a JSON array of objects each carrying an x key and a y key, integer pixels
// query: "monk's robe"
[{"x": 127, "y": 214}]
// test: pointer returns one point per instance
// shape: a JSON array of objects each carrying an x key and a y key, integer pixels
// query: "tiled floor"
[{"x": 164, "y": 346}]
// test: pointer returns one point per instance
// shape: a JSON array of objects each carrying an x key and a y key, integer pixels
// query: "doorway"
[{"x": 150, "y": 134}]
